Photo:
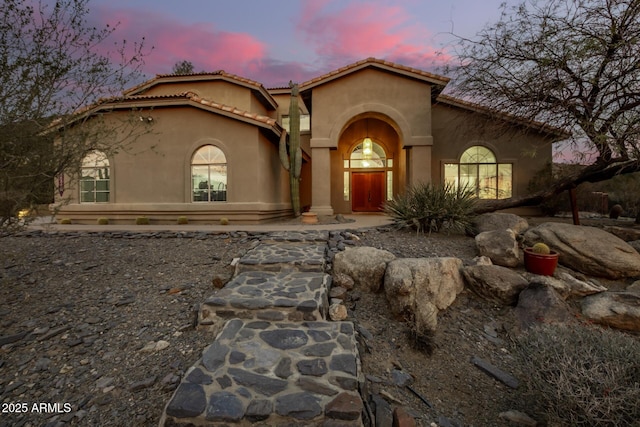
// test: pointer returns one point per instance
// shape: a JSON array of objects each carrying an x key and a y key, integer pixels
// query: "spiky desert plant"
[
  {"x": 103, "y": 221},
  {"x": 292, "y": 159},
  {"x": 183, "y": 220},
  {"x": 541, "y": 248},
  {"x": 142, "y": 220},
  {"x": 430, "y": 207}
]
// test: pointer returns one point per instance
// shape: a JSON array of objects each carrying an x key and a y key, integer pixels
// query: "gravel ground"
[{"x": 99, "y": 329}]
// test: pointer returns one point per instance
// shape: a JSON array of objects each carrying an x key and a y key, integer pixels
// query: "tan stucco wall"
[
  {"x": 405, "y": 101},
  {"x": 155, "y": 173},
  {"x": 455, "y": 130}
]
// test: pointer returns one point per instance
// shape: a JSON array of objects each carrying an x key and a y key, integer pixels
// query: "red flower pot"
[{"x": 543, "y": 264}]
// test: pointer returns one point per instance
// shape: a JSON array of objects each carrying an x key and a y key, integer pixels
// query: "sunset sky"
[{"x": 276, "y": 41}]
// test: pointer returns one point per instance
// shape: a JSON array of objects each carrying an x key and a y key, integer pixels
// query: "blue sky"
[{"x": 280, "y": 40}]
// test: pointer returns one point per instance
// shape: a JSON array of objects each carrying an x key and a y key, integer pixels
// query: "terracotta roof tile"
[
  {"x": 461, "y": 103},
  {"x": 204, "y": 75},
  {"x": 374, "y": 61},
  {"x": 191, "y": 96}
]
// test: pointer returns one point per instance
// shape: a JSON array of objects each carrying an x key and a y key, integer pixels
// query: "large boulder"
[
  {"x": 565, "y": 284},
  {"x": 619, "y": 310},
  {"x": 500, "y": 246},
  {"x": 589, "y": 250},
  {"x": 625, "y": 233},
  {"x": 500, "y": 221},
  {"x": 539, "y": 303},
  {"x": 420, "y": 287},
  {"x": 365, "y": 265},
  {"x": 495, "y": 283}
]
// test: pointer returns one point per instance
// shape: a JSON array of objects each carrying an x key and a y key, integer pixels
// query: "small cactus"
[
  {"x": 103, "y": 221},
  {"x": 541, "y": 248},
  {"x": 65, "y": 221},
  {"x": 183, "y": 220},
  {"x": 142, "y": 220},
  {"x": 224, "y": 221}
]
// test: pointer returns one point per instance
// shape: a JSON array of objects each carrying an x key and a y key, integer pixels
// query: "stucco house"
[{"x": 368, "y": 131}]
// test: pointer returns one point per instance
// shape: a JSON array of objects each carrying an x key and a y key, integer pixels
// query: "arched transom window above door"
[
  {"x": 480, "y": 172},
  {"x": 367, "y": 154},
  {"x": 209, "y": 175}
]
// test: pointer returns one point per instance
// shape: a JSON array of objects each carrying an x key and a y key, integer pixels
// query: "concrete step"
[
  {"x": 284, "y": 256},
  {"x": 273, "y": 374},
  {"x": 270, "y": 296}
]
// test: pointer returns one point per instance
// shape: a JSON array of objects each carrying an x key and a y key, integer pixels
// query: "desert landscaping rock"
[
  {"x": 500, "y": 246},
  {"x": 538, "y": 304},
  {"x": 495, "y": 283},
  {"x": 589, "y": 250},
  {"x": 616, "y": 309},
  {"x": 566, "y": 284},
  {"x": 365, "y": 265},
  {"x": 421, "y": 287},
  {"x": 500, "y": 221}
]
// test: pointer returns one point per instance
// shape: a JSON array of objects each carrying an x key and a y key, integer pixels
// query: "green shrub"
[
  {"x": 580, "y": 375},
  {"x": 183, "y": 220},
  {"x": 430, "y": 207},
  {"x": 142, "y": 220},
  {"x": 103, "y": 221},
  {"x": 224, "y": 221},
  {"x": 65, "y": 221}
]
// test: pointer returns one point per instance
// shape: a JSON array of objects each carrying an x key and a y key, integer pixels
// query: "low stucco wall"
[{"x": 168, "y": 213}]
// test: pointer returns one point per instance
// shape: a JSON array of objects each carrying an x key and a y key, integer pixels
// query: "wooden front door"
[{"x": 367, "y": 191}]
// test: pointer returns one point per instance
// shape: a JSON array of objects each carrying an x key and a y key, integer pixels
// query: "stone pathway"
[{"x": 276, "y": 360}]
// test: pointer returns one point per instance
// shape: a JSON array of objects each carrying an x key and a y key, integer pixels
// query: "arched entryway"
[{"x": 368, "y": 148}]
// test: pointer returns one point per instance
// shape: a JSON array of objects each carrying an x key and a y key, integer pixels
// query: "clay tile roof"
[
  {"x": 227, "y": 108},
  {"x": 468, "y": 105},
  {"x": 380, "y": 63},
  {"x": 197, "y": 76},
  {"x": 125, "y": 102}
]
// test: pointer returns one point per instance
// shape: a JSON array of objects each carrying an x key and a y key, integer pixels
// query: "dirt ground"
[{"x": 83, "y": 308}]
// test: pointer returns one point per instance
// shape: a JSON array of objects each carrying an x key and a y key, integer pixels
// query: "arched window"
[
  {"x": 209, "y": 175},
  {"x": 368, "y": 154},
  {"x": 94, "y": 178},
  {"x": 479, "y": 171}
]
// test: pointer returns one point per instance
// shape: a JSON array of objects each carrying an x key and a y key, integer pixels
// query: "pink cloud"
[
  {"x": 208, "y": 48},
  {"x": 341, "y": 33}
]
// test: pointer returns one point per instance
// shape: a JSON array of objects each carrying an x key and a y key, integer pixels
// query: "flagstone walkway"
[{"x": 276, "y": 359}]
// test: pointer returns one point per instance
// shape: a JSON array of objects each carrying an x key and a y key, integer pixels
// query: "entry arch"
[{"x": 368, "y": 164}]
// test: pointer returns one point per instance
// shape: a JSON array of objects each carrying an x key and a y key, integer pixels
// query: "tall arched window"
[
  {"x": 480, "y": 172},
  {"x": 209, "y": 175},
  {"x": 94, "y": 178}
]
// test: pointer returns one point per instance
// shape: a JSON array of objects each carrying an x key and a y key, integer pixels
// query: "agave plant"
[{"x": 430, "y": 207}]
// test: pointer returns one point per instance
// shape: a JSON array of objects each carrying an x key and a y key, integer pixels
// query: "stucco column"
[
  {"x": 420, "y": 166},
  {"x": 321, "y": 181}
]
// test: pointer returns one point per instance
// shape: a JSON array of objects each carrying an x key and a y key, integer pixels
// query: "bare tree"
[
  {"x": 574, "y": 64},
  {"x": 52, "y": 63}
]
